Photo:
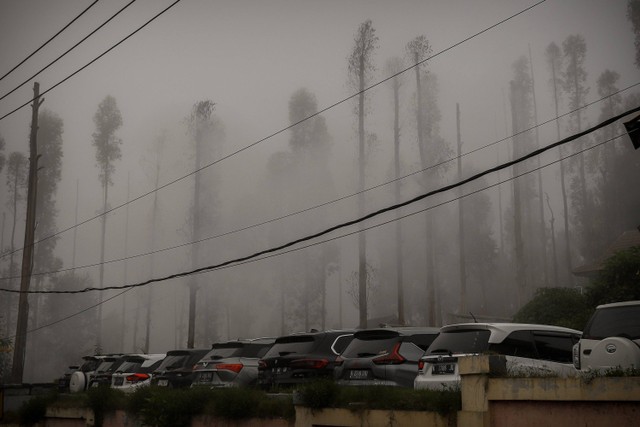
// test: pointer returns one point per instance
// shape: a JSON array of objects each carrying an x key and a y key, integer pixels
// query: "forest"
[{"x": 276, "y": 245}]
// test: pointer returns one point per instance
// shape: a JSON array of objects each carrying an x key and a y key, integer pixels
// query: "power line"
[
  {"x": 67, "y": 51},
  {"x": 310, "y": 208},
  {"x": 47, "y": 42},
  {"x": 379, "y": 212},
  {"x": 359, "y": 230},
  {"x": 282, "y": 130},
  {"x": 95, "y": 59}
]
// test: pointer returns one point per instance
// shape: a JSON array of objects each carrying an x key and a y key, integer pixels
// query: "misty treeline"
[{"x": 522, "y": 236}]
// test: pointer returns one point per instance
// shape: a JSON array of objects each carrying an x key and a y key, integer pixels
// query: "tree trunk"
[{"x": 362, "y": 249}]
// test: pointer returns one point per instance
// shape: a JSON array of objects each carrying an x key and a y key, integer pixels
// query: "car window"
[
  {"x": 460, "y": 341},
  {"x": 255, "y": 350},
  {"x": 554, "y": 346},
  {"x": 369, "y": 346},
  {"x": 130, "y": 365},
  {"x": 410, "y": 351},
  {"x": 614, "y": 322},
  {"x": 173, "y": 362},
  {"x": 341, "y": 343},
  {"x": 518, "y": 343},
  {"x": 422, "y": 340},
  {"x": 291, "y": 344},
  {"x": 222, "y": 351}
]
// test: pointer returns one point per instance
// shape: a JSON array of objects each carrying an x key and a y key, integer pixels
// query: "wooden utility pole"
[
  {"x": 463, "y": 266},
  {"x": 27, "y": 253}
]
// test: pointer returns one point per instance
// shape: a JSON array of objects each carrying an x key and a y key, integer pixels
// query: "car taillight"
[
  {"x": 309, "y": 364},
  {"x": 134, "y": 378},
  {"x": 392, "y": 358},
  {"x": 576, "y": 355},
  {"x": 234, "y": 367},
  {"x": 339, "y": 361},
  {"x": 420, "y": 365}
]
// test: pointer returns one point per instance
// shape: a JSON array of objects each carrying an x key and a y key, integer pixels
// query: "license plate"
[
  {"x": 205, "y": 377},
  {"x": 358, "y": 374},
  {"x": 118, "y": 381},
  {"x": 443, "y": 369},
  {"x": 163, "y": 383}
]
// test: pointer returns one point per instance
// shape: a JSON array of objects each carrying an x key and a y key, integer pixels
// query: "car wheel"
[{"x": 77, "y": 382}]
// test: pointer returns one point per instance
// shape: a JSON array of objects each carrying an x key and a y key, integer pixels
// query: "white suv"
[
  {"x": 529, "y": 350},
  {"x": 611, "y": 338}
]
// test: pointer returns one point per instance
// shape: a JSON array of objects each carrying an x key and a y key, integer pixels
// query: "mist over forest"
[{"x": 225, "y": 129}]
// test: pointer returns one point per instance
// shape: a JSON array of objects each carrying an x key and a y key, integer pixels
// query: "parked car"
[
  {"x": 93, "y": 365},
  {"x": 529, "y": 349},
  {"x": 89, "y": 364},
  {"x": 611, "y": 338},
  {"x": 384, "y": 356},
  {"x": 232, "y": 363},
  {"x": 135, "y": 371},
  {"x": 176, "y": 370},
  {"x": 102, "y": 378},
  {"x": 300, "y": 357}
]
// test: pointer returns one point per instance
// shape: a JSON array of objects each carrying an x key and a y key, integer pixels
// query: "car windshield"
[
  {"x": 370, "y": 345},
  {"x": 222, "y": 351},
  {"x": 174, "y": 361},
  {"x": 292, "y": 344},
  {"x": 460, "y": 341},
  {"x": 621, "y": 321},
  {"x": 130, "y": 365}
]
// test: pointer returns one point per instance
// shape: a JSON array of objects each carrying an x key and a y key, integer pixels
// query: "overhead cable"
[
  {"x": 310, "y": 208},
  {"x": 93, "y": 60},
  {"x": 379, "y": 212},
  {"x": 260, "y": 140},
  {"x": 360, "y": 230},
  {"x": 47, "y": 42},
  {"x": 67, "y": 51}
]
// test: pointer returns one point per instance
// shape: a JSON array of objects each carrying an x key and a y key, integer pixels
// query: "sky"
[{"x": 249, "y": 56}]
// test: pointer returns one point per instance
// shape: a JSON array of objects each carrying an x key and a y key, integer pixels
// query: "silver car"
[
  {"x": 529, "y": 350},
  {"x": 135, "y": 371},
  {"x": 232, "y": 363},
  {"x": 384, "y": 356}
]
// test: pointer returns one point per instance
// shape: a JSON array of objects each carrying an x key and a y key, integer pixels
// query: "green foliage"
[
  {"x": 556, "y": 306},
  {"x": 323, "y": 394},
  {"x": 319, "y": 394},
  {"x": 159, "y": 406},
  {"x": 103, "y": 400},
  {"x": 618, "y": 281},
  {"x": 35, "y": 409}
]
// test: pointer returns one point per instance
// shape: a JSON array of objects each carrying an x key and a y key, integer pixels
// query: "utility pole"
[
  {"x": 463, "y": 266},
  {"x": 27, "y": 253}
]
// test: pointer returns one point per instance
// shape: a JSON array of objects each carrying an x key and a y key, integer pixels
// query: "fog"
[{"x": 249, "y": 57}]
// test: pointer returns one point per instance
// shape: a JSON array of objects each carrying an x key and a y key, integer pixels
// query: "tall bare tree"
[
  {"x": 394, "y": 66},
  {"x": 419, "y": 49},
  {"x": 553, "y": 55},
  {"x": 107, "y": 120},
  {"x": 574, "y": 79},
  {"x": 201, "y": 125},
  {"x": 360, "y": 67}
]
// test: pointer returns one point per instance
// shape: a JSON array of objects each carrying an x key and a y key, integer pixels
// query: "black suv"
[
  {"x": 298, "y": 358},
  {"x": 176, "y": 370},
  {"x": 102, "y": 378}
]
